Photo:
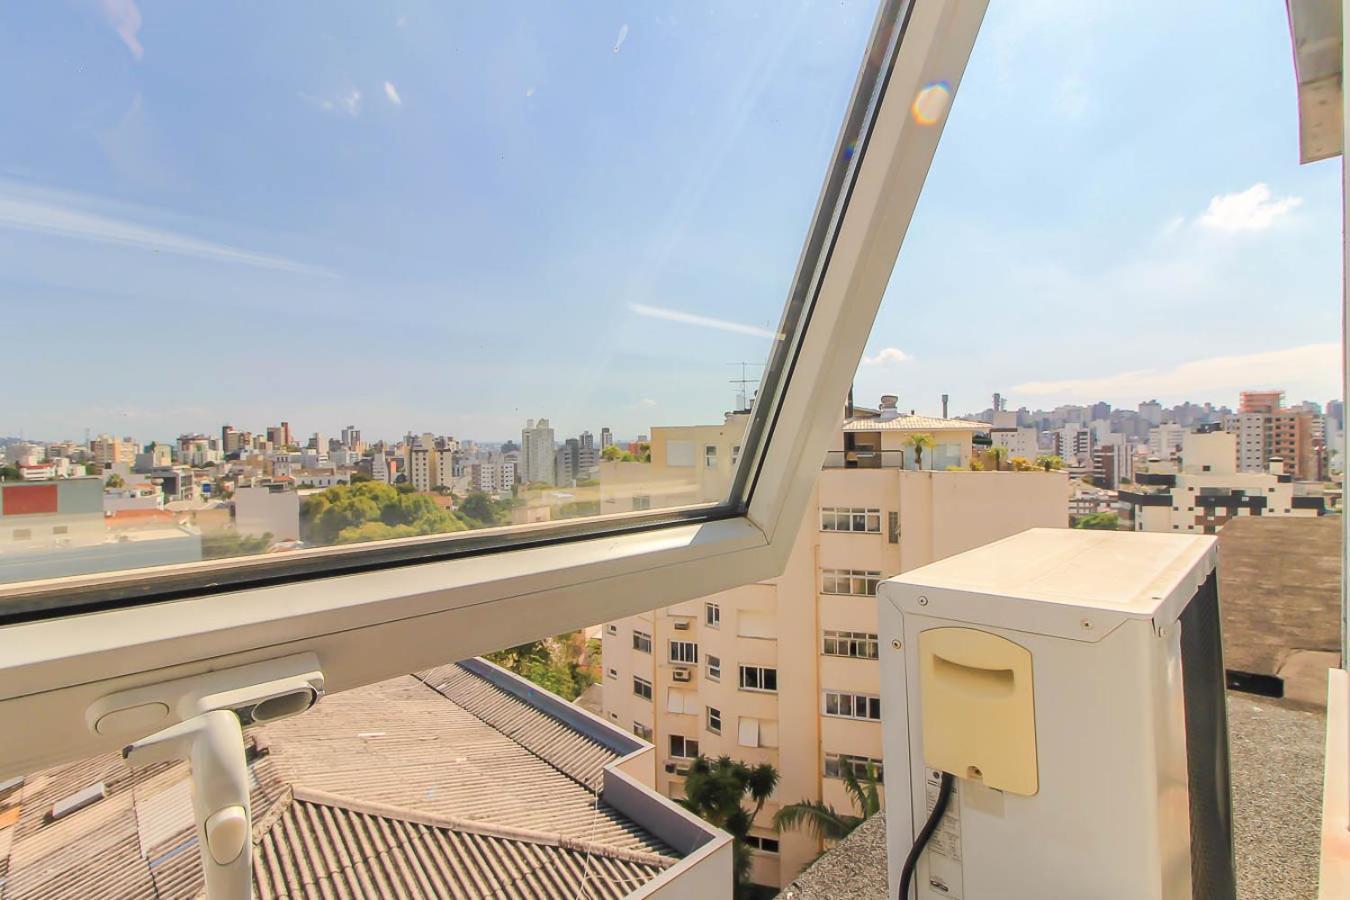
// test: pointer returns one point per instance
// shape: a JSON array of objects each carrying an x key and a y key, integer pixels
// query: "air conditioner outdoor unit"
[
  {"x": 1072, "y": 684},
  {"x": 681, "y": 673},
  {"x": 670, "y": 768},
  {"x": 681, "y": 624}
]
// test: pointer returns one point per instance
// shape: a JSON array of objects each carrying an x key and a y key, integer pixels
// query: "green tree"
[
  {"x": 823, "y": 821},
  {"x": 359, "y": 477},
  {"x": 370, "y": 511},
  {"x": 998, "y": 455},
  {"x": 10, "y": 473},
  {"x": 556, "y": 664},
  {"x": 1102, "y": 521},
  {"x": 1047, "y": 462},
  {"x": 484, "y": 511},
  {"x": 114, "y": 481},
  {"x": 919, "y": 443},
  {"x": 717, "y": 793},
  {"x": 225, "y": 544}
]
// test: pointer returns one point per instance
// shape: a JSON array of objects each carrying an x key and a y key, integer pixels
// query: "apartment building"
[
  {"x": 1206, "y": 489},
  {"x": 1110, "y": 464},
  {"x": 1265, "y": 429},
  {"x": 110, "y": 451},
  {"x": 786, "y": 671},
  {"x": 689, "y": 464},
  {"x": 1164, "y": 441},
  {"x": 537, "y": 453},
  {"x": 1073, "y": 444}
]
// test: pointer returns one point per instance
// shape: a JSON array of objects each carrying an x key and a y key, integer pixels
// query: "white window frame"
[
  {"x": 682, "y": 653},
  {"x": 639, "y": 681},
  {"x": 848, "y": 704},
  {"x": 712, "y": 615},
  {"x": 861, "y": 640},
  {"x": 714, "y": 667},
  {"x": 685, "y": 743},
  {"x": 761, "y": 679},
  {"x": 714, "y": 713},
  {"x": 639, "y": 639},
  {"x": 492, "y": 588}
]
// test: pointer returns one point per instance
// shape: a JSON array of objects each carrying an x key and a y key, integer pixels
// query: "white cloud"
[
  {"x": 623, "y": 36},
  {"x": 348, "y": 103},
  {"x": 392, "y": 93},
  {"x": 60, "y": 217},
  {"x": 887, "y": 356},
  {"x": 1308, "y": 368},
  {"x": 125, "y": 18},
  {"x": 1251, "y": 210},
  {"x": 646, "y": 403},
  {"x": 684, "y": 318}
]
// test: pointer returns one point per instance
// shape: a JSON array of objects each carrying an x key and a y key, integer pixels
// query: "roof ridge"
[
  {"x": 275, "y": 811},
  {"x": 514, "y": 735},
  {"x": 305, "y": 794}
]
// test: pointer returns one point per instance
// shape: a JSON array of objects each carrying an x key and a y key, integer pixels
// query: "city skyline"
[{"x": 352, "y": 273}]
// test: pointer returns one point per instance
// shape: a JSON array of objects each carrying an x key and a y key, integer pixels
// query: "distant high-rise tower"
[
  {"x": 606, "y": 437},
  {"x": 998, "y": 402},
  {"x": 587, "y": 440},
  {"x": 944, "y": 405},
  {"x": 536, "y": 452}
]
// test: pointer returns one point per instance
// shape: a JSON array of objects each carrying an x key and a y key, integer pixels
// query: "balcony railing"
[{"x": 864, "y": 459}]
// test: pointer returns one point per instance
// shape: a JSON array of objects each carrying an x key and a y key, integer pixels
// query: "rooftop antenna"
[{"x": 743, "y": 395}]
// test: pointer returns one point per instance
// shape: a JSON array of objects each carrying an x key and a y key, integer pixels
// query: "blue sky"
[{"x": 414, "y": 218}]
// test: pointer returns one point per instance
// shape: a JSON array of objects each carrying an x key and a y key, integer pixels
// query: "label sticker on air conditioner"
[{"x": 944, "y": 847}]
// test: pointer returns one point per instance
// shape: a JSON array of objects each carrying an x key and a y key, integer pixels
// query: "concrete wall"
[{"x": 944, "y": 513}]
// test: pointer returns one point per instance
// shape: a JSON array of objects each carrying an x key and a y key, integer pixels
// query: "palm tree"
[
  {"x": 999, "y": 454},
  {"x": 823, "y": 821},
  {"x": 716, "y": 791},
  {"x": 1048, "y": 462},
  {"x": 920, "y": 443}
]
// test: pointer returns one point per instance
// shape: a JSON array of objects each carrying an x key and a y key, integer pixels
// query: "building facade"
[{"x": 786, "y": 671}]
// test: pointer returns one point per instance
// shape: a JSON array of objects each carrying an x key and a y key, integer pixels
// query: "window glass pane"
[{"x": 430, "y": 271}]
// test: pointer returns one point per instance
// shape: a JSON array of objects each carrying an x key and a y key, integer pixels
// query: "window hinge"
[{"x": 208, "y": 712}]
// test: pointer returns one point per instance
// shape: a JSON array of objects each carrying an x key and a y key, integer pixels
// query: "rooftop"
[
  {"x": 441, "y": 783},
  {"x": 912, "y": 423},
  {"x": 1277, "y": 757}
]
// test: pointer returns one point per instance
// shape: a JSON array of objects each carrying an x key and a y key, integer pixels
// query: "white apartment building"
[
  {"x": 1164, "y": 441},
  {"x": 492, "y": 476},
  {"x": 1019, "y": 442},
  {"x": 1204, "y": 491},
  {"x": 1073, "y": 444},
  {"x": 537, "y": 452},
  {"x": 1249, "y": 432},
  {"x": 786, "y": 671}
]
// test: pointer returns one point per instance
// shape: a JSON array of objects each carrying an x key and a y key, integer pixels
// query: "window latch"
[{"x": 208, "y": 712}]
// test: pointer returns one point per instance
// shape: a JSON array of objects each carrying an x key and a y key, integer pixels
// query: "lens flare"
[
  {"x": 931, "y": 103},
  {"x": 850, "y": 148}
]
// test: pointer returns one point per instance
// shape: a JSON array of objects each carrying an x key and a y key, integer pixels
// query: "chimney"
[
  {"x": 944, "y": 406},
  {"x": 888, "y": 410}
]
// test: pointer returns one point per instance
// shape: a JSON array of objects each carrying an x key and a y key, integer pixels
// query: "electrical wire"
[{"x": 934, "y": 817}]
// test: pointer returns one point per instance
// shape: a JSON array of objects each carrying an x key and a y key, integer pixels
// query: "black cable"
[{"x": 907, "y": 871}]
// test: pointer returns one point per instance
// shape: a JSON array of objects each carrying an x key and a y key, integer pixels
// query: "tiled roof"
[
  {"x": 914, "y": 423},
  {"x": 421, "y": 786}
]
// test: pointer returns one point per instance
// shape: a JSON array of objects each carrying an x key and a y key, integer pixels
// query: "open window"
[{"x": 401, "y": 236}]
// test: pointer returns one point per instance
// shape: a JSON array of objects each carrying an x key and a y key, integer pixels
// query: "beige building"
[
  {"x": 689, "y": 464},
  {"x": 786, "y": 671},
  {"x": 1205, "y": 489}
]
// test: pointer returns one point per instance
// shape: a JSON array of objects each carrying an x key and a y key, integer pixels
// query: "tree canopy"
[
  {"x": 1102, "y": 521},
  {"x": 370, "y": 511},
  {"x": 483, "y": 510}
]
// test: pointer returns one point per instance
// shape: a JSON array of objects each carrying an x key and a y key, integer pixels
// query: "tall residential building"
[
  {"x": 1164, "y": 441},
  {"x": 230, "y": 439},
  {"x": 110, "y": 451},
  {"x": 1266, "y": 430},
  {"x": 1151, "y": 412},
  {"x": 1073, "y": 444},
  {"x": 1110, "y": 463},
  {"x": 351, "y": 438},
  {"x": 586, "y": 440},
  {"x": 786, "y": 671},
  {"x": 537, "y": 452},
  {"x": 606, "y": 437}
]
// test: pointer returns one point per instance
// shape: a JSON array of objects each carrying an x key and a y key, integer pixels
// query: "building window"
[
  {"x": 848, "y": 518},
  {"x": 642, "y": 687},
  {"x": 23, "y": 534},
  {"x": 856, "y": 582},
  {"x": 613, "y": 673},
  {"x": 762, "y": 844},
  {"x": 710, "y": 457},
  {"x": 852, "y": 706},
  {"x": 714, "y": 720},
  {"x": 714, "y": 668},
  {"x": 683, "y": 747},
  {"x": 642, "y": 731},
  {"x": 835, "y": 763},
  {"x": 642, "y": 501},
  {"x": 684, "y": 652},
  {"x": 642, "y": 641},
  {"x": 735, "y": 454},
  {"x": 61, "y": 529},
  {"x": 856, "y": 644},
  {"x": 893, "y": 527},
  {"x": 759, "y": 678},
  {"x": 612, "y": 629},
  {"x": 712, "y": 614}
]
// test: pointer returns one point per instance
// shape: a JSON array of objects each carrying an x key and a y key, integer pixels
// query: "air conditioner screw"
[
  {"x": 923, "y": 601},
  {"x": 895, "y": 644}
]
